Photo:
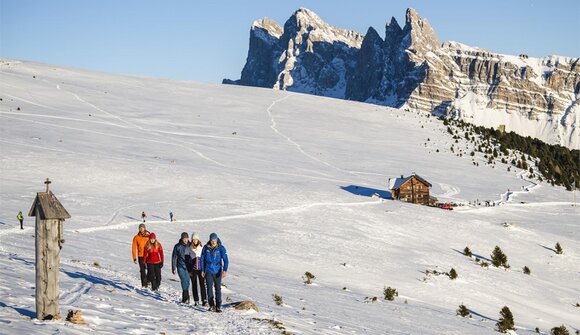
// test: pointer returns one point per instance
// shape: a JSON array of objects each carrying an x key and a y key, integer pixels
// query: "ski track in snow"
[
  {"x": 274, "y": 127},
  {"x": 262, "y": 213},
  {"x": 186, "y": 147},
  {"x": 69, "y": 297},
  {"x": 450, "y": 191},
  {"x": 508, "y": 195}
]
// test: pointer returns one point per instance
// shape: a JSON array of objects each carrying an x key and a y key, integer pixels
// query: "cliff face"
[{"x": 409, "y": 67}]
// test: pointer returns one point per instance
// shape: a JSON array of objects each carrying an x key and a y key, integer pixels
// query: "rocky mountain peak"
[
  {"x": 410, "y": 68},
  {"x": 421, "y": 36},
  {"x": 371, "y": 35},
  {"x": 393, "y": 26},
  {"x": 304, "y": 25},
  {"x": 269, "y": 26}
]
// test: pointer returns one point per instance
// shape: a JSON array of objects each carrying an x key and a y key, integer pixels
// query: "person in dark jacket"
[
  {"x": 193, "y": 257},
  {"x": 178, "y": 263},
  {"x": 214, "y": 267},
  {"x": 153, "y": 257}
]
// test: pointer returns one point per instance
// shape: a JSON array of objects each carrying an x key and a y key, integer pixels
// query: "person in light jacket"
[
  {"x": 193, "y": 257},
  {"x": 214, "y": 266}
]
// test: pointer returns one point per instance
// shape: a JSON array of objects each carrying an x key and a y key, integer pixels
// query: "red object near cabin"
[{"x": 447, "y": 206}]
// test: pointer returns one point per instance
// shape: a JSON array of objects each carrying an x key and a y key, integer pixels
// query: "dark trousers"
[
  {"x": 154, "y": 274},
  {"x": 21, "y": 223},
  {"x": 143, "y": 272},
  {"x": 195, "y": 276},
  {"x": 214, "y": 280}
]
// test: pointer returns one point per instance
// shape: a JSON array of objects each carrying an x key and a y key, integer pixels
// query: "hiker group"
[{"x": 195, "y": 263}]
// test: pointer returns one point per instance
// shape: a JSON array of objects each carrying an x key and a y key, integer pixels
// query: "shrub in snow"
[
  {"x": 484, "y": 264},
  {"x": 463, "y": 311},
  {"x": 308, "y": 277},
  {"x": 371, "y": 299},
  {"x": 467, "y": 252},
  {"x": 390, "y": 293},
  {"x": 559, "y": 250},
  {"x": 506, "y": 320},
  {"x": 537, "y": 330},
  {"x": 277, "y": 299},
  {"x": 527, "y": 270},
  {"x": 498, "y": 258},
  {"x": 452, "y": 274},
  {"x": 559, "y": 331}
]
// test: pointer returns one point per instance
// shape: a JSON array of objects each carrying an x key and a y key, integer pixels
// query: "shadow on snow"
[{"x": 366, "y": 191}]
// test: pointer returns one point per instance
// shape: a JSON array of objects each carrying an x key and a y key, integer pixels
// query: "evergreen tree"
[
  {"x": 498, "y": 258},
  {"x": 463, "y": 311},
  {"x": 506, "y": 320},
  {"x": 390, "y": 293},
  {"x": 452, "y": 274},
  {"x": 559, "y": 331},
  {"x": 559, "y": 249},
  {"x": 467, "y": 252}
]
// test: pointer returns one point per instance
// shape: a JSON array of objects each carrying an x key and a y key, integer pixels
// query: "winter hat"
[
  {"x": 152, "y": 236},
  {"x": 142, "y": 226},
  {"x": 184, "y": 235},
  {"x": 194, "y": 236},
  {"x": 213, "y": 237}
]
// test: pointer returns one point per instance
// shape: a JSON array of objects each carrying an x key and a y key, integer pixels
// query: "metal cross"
[{"x": 47, "y": 182}]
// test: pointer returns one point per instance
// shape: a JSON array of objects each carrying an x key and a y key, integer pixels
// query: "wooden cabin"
[{"x": 413, "y": 189}]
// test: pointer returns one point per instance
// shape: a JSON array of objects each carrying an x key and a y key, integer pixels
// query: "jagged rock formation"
[{"x": 410, "y": 68}]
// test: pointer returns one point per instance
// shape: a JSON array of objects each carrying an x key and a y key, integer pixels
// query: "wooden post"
[
  {"x": 47, "y": 268},
  {"x": 50, "y": 215}
]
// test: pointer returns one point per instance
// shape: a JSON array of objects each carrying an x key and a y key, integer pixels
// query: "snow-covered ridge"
[{"x": 410, "y": 67}]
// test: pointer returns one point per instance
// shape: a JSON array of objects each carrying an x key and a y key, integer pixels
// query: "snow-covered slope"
[{"x": 286, "y": 180}]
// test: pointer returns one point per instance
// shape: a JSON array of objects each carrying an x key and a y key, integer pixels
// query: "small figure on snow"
[
  {"x": 214, "y": 267},
  {"x": 178, "y": 263},
  {"x": 171, "y": 216},
  {"x": 192, "y": 258},
  {"x": 153, "y": 257},
  {"x": 21, "y": 219},
  {"x": 143, "y": 216},
  {"x": 138, "y": 248}
]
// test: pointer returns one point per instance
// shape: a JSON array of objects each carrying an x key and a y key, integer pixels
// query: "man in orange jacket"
[{"x": 139, "y": 242}]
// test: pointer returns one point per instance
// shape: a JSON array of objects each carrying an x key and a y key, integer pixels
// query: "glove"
[{"x": 161, "y": 265}]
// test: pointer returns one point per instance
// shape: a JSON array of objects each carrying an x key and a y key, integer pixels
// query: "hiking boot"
[
  {"x": 218, "y": 310},
  {"x": 185, "y": 297},
  {"x": 196, "y": 303},
  {"x": 204, "y": 304}
]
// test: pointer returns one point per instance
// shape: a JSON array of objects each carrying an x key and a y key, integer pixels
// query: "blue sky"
[{"x": 208, "y": 40}]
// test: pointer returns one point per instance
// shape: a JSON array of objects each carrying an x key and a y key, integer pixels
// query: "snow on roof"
[{"x": 398, "y": 182}]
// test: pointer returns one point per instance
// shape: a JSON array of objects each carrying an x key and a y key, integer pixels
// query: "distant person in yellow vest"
[{"x": 21, "y": 219}]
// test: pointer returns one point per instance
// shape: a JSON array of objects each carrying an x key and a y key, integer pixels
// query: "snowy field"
[{"x": 286, "y": 181}]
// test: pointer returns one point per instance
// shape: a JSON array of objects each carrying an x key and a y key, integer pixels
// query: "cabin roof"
[
  {"x": 49, "y": 207},
  {"x": 398, "y": 182}
]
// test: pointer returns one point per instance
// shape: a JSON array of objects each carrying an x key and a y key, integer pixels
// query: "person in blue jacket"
[
  {"x": 179, "y": 263},
  {"x": 214, "y": 267}
]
